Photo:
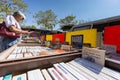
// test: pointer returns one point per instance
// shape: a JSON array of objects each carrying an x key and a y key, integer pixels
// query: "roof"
[
  {"x": 101, "y": 21},
  {"x": 41, "y": 30},
  {"x": 67, "y": 27}
]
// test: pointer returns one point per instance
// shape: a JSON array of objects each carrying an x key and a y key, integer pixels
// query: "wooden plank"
[
  {"x": 7, "y": 52},
  {"x": 113, "y": 64},
  {"x": 32, "y": 63}
]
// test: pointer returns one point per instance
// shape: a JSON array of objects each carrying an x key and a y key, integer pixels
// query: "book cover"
[
  {"x": 35, "y": 75},
  {"x": 20, "y": 77},
  {"x": 7, "y": 77},
  {"x": 1, "y": 78}
]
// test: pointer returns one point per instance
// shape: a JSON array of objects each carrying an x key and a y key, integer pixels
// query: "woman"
[{"x": 12, "y": 23}]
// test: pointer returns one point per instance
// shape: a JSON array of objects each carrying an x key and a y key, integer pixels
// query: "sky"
[{"x": 88, "y": 10}]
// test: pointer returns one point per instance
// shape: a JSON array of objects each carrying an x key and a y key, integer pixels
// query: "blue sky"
[{"x": 88, "y": 10}]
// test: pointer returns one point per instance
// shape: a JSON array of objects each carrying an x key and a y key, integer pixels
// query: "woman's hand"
[{"x": 25, "y": 32}]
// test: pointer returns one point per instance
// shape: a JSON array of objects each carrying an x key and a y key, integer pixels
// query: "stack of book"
[{"x": 77, "y": 69}]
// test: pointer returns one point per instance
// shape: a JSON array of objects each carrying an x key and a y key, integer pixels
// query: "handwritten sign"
[{"x": 94, "y": 54}]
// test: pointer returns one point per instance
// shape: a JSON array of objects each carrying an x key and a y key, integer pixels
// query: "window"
[{"x": 77, "y": 41}]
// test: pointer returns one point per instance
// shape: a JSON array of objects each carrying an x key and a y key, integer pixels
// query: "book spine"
[
  {"x": 55, "y": 74},
  {"x": 46, "y": 74},
  {"x": 65, "y": 74}
]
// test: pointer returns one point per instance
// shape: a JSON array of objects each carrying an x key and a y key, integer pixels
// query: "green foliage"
[
  {"x": 46, "y": 19},
  {"x": 68, "y": 20},
  {"x": 1, "y": 20},
  {"x": 9, "y": 6},
  {"x": 31, "y": 27}
]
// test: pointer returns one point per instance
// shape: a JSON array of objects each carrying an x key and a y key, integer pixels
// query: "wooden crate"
[
  {"x": 46, "y": 61},
  {"x": 24, "y": 64}
]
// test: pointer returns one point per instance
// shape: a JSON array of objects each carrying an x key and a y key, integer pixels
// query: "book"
[
  {"x": 55, "y": 75},
  {"x": 81, "y": 72},
  {"x": 27, "y": 54},
  {"x": 19, "y": 55},
  {"x": 75, "y": 73},
  {"x": 98, "y": 67},
  {"x": 7, "y": 77},
  {"x": 103, "y": 76},
  {"x": 82, "y": 68},
  {"x": 59, "y": 50},
  {"x": 44, "y": 53},
  {"x": 20, "y": 77},
  {"x": 109, "y": 48},
  {"x": 92, "y": 66},
  {"x": 19, "y": 50},
  {"x": 107, "y": 76},
  {"x": 1, "y": 78},
  {"x": 12, "y": 56},
  {"x": 35, "y": 75},
  {"x": 64, "y": 73},
  {"x": 66, "y": 47},
  {"x": 46, "y": 74},
  {"x": 35, "y": 54},
  {"x": 111, "y": 73}
]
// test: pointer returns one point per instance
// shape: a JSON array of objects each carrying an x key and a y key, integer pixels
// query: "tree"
[
  {"x": 46, "y": 19},
  {"x": 31, "y": 27},
  {"x": 68, "y": 20},
  {"x": 9, "y": 6},
  {"x": 1, "y": 20}
]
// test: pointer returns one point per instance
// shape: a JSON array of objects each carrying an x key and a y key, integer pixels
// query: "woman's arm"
[{"x": 16, "y": 30}]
